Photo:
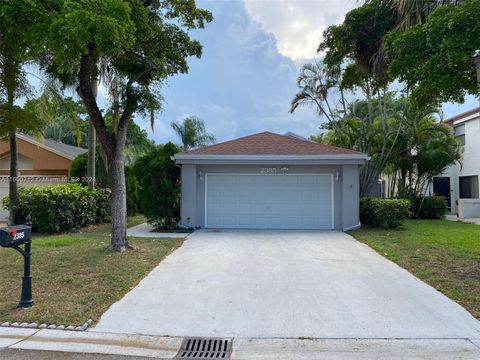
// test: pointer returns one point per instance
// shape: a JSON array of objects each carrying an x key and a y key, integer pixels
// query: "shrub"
[
  {"x": 384, "y": 212},
  {"x": 430, "y": 207},
  {"x": 133, "y": 191},
  {"x": 159, "y": 180},
  {"x": 59, "y": 208},
  {"x": 79, "y": 170}
]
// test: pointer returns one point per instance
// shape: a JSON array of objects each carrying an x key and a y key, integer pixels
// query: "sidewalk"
[
  {"x": 243, "y": 348},
  {"x": 465, "y": 220}
]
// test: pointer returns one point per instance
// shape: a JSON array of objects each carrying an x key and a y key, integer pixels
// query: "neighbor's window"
[
  {"x": 468, "y": 187},
  {"x": 460, "y": 133}
]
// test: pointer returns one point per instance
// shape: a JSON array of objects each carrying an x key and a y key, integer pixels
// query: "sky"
[{"x": 246, "y": 78}]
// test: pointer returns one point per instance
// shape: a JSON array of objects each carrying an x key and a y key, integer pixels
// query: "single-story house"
[
  {"x": 270, "y": 181},
  {"x": 40, "y": 162}
]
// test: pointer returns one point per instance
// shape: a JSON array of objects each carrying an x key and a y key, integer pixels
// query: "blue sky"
[{"x": 246, "y": 78}]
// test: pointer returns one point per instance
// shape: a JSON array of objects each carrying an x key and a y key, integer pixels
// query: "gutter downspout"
[{"x": 354, "y": 227}]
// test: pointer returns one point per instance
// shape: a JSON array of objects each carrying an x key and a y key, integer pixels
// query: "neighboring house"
[
  {"x": 40, "y": 162},
  {"x": 460, "y": 182},
  {"x": 270, "y": 181}
]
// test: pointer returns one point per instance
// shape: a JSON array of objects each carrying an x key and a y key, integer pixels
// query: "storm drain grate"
[{"x": 205, "y": 348}]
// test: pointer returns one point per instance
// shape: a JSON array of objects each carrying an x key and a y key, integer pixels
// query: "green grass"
[
  {"x": 74, "y": 277},
  {"x": 444, "y": 254}
]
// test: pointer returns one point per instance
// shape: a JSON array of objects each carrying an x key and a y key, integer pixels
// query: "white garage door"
[{"x": 269, "y": 201}]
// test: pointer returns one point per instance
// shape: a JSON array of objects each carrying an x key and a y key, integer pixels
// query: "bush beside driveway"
[
  {"x": 442, "y": 253},
  {"x": 74, "y": 277}
]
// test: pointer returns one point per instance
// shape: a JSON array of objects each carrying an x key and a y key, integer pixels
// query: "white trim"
[
  {"x": 272, "y": 157},
  {"x": 45, "y": 147},
  {"x": 333, "y": 202},
  {"x": 205, "y": 202},
  {"x": 466, "y": 118},
  {"x": 332, "y": 185}
]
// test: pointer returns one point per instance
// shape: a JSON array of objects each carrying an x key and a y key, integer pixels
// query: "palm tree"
[
  {"x": 192, "y": 132},
  {"x": 412, "y": 12}
]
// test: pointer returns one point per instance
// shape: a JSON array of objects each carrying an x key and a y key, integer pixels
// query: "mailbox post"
[{"x": 13, "y": 237}]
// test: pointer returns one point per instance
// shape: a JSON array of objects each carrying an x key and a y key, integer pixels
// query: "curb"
[
  {"x": 165, "y": 347},
  {"x": 34, "y": 325}
]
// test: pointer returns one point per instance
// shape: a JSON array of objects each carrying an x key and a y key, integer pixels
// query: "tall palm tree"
[{"x": 192, "y": 132}]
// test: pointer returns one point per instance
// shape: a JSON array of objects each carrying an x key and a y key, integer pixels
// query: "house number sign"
[{"x": 273, "y": 170}]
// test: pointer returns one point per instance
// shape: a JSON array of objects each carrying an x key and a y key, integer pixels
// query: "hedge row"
[
  {"x": 430, "y": 207},
  {"x": 59, "y": 208},
  {"x": 388, "y": 213}
]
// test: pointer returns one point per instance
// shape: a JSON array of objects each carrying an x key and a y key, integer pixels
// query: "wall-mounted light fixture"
[
  {"x": 337, "y": 176},
  {"x": 200, "y": 175}
]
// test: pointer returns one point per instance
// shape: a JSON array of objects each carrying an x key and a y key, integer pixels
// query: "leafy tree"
[
  {"x": 20, "y": 37},
  {"x": 192, "y": 132},
  {"x": 433, "y": 58},
  {"x": 143, "y": 42},
  {"x": 357, "y": 44},
  {"x": 137, "y": 143},
  {"x": 413, "y": 12},
  {"x": 79, "y": 171},
  {"x": 159, "y": 180},
  {"x": 66, "y": 118}
]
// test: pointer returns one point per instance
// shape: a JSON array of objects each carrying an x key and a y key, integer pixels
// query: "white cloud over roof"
[{"x": 298, "y": 24}]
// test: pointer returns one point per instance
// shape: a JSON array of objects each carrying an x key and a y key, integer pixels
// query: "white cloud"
[{"x": 298, "y": 24}]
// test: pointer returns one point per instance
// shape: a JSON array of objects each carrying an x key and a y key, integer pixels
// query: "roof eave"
[
  {"x": 46, "y": 147},
  {"x": 192, "y": 158}
]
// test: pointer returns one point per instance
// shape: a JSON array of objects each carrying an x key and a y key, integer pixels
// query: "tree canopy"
[
  {"x": 141, "y": 43},
  {"x": 433, "y": 58}
]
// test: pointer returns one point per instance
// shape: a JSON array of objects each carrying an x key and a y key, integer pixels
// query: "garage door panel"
[{"x": 269, "y": 201}]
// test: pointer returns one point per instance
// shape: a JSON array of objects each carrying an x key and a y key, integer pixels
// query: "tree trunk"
[
  {"x": 91, "y": 156},
  {"x": 92, "y": 143},
  {"x": 118, "y": 201},
  {"x": 113, "y": 144},
  {"x": 13, "y": 184}
]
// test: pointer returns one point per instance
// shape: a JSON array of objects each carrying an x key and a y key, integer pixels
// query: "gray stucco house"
[{"x": 270, "y": 181}]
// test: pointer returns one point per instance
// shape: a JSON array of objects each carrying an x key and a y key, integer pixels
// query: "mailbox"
[{"x": 12, "y": 236}]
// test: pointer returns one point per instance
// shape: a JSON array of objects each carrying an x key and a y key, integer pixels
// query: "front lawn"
[
  {"x": 74, "y": 277},
  {"x": 444, "y": 254}
]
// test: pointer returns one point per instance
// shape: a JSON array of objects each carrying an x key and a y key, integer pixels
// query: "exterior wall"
[
  {"x": 24, "y": 163},
  {"x": 44, "y": 162},
  {"x": 350, "y": 196},
  {"x": 470, "y": 161},
  {"x": 346, "y": 204},
  {"x": 188, "y": 206},
  {"x": 37, "y": 166}
]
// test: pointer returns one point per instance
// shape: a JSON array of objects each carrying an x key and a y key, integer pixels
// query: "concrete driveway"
[{"x": 285, "y": 284}]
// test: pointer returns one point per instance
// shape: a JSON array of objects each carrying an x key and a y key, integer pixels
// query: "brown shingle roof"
[{"x": 267, "y": 143}]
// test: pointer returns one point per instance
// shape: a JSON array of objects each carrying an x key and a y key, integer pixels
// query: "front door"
[{"x": 441, "y": 186}]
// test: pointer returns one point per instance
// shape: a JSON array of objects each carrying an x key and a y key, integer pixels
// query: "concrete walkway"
[
  {"x": 466, "y": 220},
  {"x": 146, "y": 230},
  {"x": 285, "y": 284}
]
